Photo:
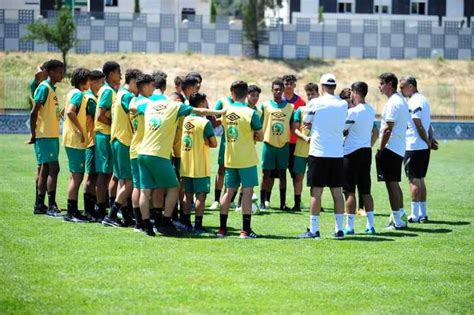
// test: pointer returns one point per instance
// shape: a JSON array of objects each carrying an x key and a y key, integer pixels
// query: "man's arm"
[
  {"x": 421, "y": 131},
  {"x": 434, "y": 142},
  {"x": 33, "y": 118},
  {"x": 105, "y": 104},
  {"x": 375, "y": 135},
  {"x": 386, "y": 132},
  {"x": 71, "y": 114}
]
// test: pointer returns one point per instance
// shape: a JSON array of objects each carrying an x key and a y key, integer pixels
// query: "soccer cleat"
[
  {"x": 127, "y": 218},
  {"x": 262, "y": 207},
  {"x": 113, "y": 222},
  {"x": 248, "y": 234},
  {"x": 183, "y": 226},
  {"x": 308, "y": 234},
  {"x": 216, "y": 205},
  {"x": 199, "y": 231},
  {"x": 75, "y": 217},
  {"x": 168, "y": 230},
  {"x": 233, "y": 205},
  {"x": 339, "y": 235},
  {"x": 413, "y": 219},
  {"x": 267, "y": 204},
  {"x": 296, "y": 209},
  {"x": 40, "y": 209},
  {"x": 395, "y": 227},
  {"x": 92, "y": 216},
  {"x": 285, "y": 208},
  {"x": 54, "y": 212},
  {"x": 370, "y": 231},
  {"x": 424, "y": 219},
  {"x": 348, "y": 231},
  {"x": 391, "y": 220},
  {"x": 222, "y": 232}
]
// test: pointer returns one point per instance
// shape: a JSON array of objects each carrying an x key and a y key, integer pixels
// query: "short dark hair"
[
  {"x": 360, "y": 88},
  {"x": 289, "y": 77},
  {"x": 131, "y": 74},
  {"x": 159, "y": 79},
  {"x": 195, "y": 75},
  {"x": 389, "y": 77},
  {"x": 53, "y": 64},
  {"x": 253, "y": 88},
  {"x": 345, "y": 94},
  {"x": 143, "y": 79},
  {"x": 278, "y": 82},
  {"x": 196, "y": 98},
  {"x": 240, "y": 88},
  {"x": 110, "y": 66},
  {"x": 410, "y": 80},
  {"x": 178, "y": 80},
  {"x": 97, "y": 75},
  {"x": 80, "y": 76},
  {"x": 311, "y": 87},
  {"x": 189, "y": 81}
]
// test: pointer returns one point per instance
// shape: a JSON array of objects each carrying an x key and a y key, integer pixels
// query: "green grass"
[{"x": 49, "y": 266}]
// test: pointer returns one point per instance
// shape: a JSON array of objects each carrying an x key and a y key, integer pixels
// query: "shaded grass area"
[{"x": 50, "y": 266}]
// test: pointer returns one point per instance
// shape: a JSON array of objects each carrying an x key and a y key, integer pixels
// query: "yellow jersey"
[{"x": 71, "y": 134}]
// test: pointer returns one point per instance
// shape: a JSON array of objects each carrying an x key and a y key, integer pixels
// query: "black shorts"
[
  {"x": 323, "y": 171},
  {"x": 357, "y": 171},
  {"x": 416, "y": 163},
  {"x": 291, "y": 159},
  {"x": 389, "y": 166}
]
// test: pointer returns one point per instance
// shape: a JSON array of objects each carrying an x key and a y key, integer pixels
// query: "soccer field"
[{"x": 50, "y": 266}]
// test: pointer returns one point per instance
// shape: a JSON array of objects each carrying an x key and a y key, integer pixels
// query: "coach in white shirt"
[
  {"x": 389, "y": 158},
  {"x": 360, "y": 135},
  {"x": 326, "y": 115},
  {"x": 418, "y": 143}
]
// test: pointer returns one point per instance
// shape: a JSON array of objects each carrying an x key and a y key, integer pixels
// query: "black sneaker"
[
  {"x": 92, "y": 216},
  {"x": 248, "y": 234},
  {"x": 113, "y": 222},
  {"x": 201, "y": 230},
  {"x": 423, "y": 219},
  {"x": 54, "y": 212},
  {"x": 75, "y": 217},
  {"x": 169, "y": 230},
  {"x": 296, "y": 209},
  {"x": 40, "y": 209},
  {"x": 339, "y": 235},
  {"x": 308, "y": 234},
  {"x": 101, "y": 213},
  {"x": 285, "y": 208},
  {"x": 127, "y": 218}
]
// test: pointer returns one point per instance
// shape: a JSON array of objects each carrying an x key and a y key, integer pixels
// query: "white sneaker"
[
  {"x": 238, "y": 209},
  {"x": 216, "y": 205},
  {"x": 254, "y": 197},
  {"x": 267, "y": 204}
]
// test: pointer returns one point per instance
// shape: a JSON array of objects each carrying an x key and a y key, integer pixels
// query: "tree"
[
  {"x": 136, "y": 7},
  {"x": 61, "y": 34},
  {"x": 254, "y": 19}
]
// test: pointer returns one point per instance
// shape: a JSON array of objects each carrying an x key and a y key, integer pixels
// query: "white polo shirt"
[
  {"x": 396, "y": 111},
  {"x": 359, "y": 124},
  {"x": 419, "y": 109},
  {"x": 327, "y": 115}
]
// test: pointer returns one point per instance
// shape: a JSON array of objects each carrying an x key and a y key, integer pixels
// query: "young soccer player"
[
  {"x": 96, "y": 81},
  {"x": 44, "y": 126},
  {"x": 102, "y": 123},
  {"x": 40, "y": 75},
  {"x": 312, "y": 91},
  {"x": 121, "y": 137},
  {"x": 242, "y": 127},
  {"x": 277, "y": 117},
  {"x": 75, "y": 140},
  {"x": 198, "y": 137},
  {"x": 178, "y": 93}
]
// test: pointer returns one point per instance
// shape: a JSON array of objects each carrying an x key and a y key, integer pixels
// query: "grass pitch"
[{"x": 50, "y": 266}]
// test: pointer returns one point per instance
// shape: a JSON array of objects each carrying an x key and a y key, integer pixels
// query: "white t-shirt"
[
  {"x": 419, "y": 109},
  {"x": 327, "y": 115},
  {"x": 396, "y": 111},
  {"x": 359, "y": 123}
]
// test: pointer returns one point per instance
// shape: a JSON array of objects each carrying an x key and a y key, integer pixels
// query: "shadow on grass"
[
  {"x": 429, "y": 231},
  {"x": 397, "y": 234},
  {"x": 369, "y": 239},
  {"x": 448, "y": 222}
]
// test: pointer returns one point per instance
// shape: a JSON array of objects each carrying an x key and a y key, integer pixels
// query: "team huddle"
[{"x": 146, "y": 154}]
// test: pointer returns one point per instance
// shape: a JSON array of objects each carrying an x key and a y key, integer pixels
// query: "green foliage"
[
  {"x": 213, "y": 11},
  {"x": 321, "y": 14},
  {"x": 136, "y": 6},
  {"x": 61, "y": 34}
]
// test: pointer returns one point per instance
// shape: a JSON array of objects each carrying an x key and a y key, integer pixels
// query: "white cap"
[{"x": 328, "y": 79}]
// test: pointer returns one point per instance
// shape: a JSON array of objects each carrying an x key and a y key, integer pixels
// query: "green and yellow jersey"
[
  {"x": 71, "y": 134},
  {"x": 90, "y": 111},
  {"x": 121, "y": 128},
  {"x": 276, "y": 119},
  {"x": 47, "y": 123},
  {"x": 106, "y": 97},
  {"x": 302, "y": 147}
]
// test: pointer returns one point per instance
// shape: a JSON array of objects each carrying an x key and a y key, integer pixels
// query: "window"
[
  {"x": 383, "y": 8},
  {"x": 344, "y": 6},
  {"x": 111, "y": 3},
  {"x": 418, "y": 7}
]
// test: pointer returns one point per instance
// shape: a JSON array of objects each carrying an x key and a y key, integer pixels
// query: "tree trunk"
[{"x": 64, "y": 54}]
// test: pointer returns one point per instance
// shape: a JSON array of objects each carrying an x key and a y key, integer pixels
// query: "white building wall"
[{"x": 455, "y": 8}]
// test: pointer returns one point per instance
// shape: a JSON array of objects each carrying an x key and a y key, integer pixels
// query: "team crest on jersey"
[
  {"x": 155, "y": 123},
  {"x": 159, "y": 107},
  {"x": 187, "y": 143},
  {"x": 279, "y": 115},
  {"x": 232, "y": 116},
  {"x": 278, "y": 128},
  {"x": 232, "y": 134},
  {"x": 188, "y": 126}
]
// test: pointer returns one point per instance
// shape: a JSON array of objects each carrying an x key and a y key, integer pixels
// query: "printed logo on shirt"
[
  {"x": 155, "y": 123},
  {"x": 232, "y": 134},
  {"x": 232, "y": 116},
  {"x": 188, "y": 126},
  {"x": 278, "y": 128},
  {"x": 187, "y": 142},
  {"x": 279, "y": 115}
]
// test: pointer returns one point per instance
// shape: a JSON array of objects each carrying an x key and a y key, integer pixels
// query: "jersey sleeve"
[
  {"x": 106, "y": 99},
  {"x": 391, "y": 112},
  {"x": 91, "y": 106},
  {"x": 184, "y": 110},
  {"x": 350, "y": 120},
  {"x": 416, "y": 110},
  {"x": 76, "y": 99},
  {"x": 41, "y": 94},
  {"x": 126, "y": 101},
  {"x": 208, "y": 131},
  {"x": 256, "y": 124},
  {"x": 297, "y": 116},
  {"x": 141, "y": 108},
  {"x": 219, "y": 105}
]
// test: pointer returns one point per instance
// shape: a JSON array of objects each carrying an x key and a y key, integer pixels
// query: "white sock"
[
  {"x": 370, "y": 219},
  {"x": 313, "y": 223},
  {"x": 350, "y": 221},
  {"x": 423, "y": 209},
  {"x": 415, "y": 209},
  {"x": 396, "y": 217},
  {"x": 402, "y": 212},
  {"x": 339, "y": 222}
]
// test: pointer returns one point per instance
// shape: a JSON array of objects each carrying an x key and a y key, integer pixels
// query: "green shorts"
[
  {"x": 46, "y": 150},
  {"x": 121, "y": 159},
  {"x": 76, "y": 160},
  {"x": 220, "y": 157},
  {"x": 156, "y": 172},
  {"x": 103, "y": 153},
  {"x": 248, "y": 177},
  {"x": 90, "y": 160},
  {"x": 197, "y": 185},
  {"x": 135, "y": 173},
  {"x": 299, "y": 164},
  {"x": 274, "y": 158}
]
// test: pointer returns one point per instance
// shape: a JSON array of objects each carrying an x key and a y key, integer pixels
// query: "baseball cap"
[{"x": 328, "y": 79}]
